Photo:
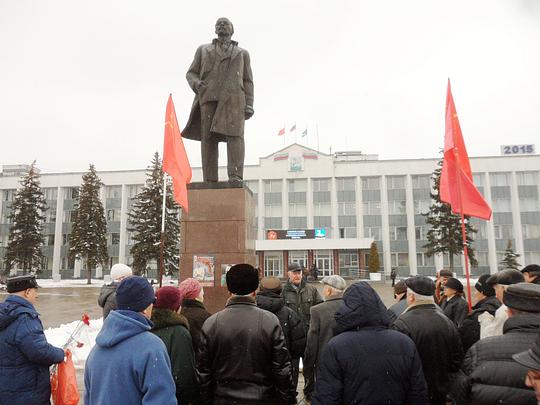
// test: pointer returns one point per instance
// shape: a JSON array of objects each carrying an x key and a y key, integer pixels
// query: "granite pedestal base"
[{"x": 220, "y": 225}]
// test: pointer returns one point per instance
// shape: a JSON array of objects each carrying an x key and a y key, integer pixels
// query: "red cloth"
[
  {"x": 175, "y": 160},
  {"x": 189, "y": 289},
  {"x": 457, "y": 187},
  {"x": 281, "y": 132}
]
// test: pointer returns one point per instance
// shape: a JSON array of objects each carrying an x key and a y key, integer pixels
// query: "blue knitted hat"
[{"x": 135, "y": 294}]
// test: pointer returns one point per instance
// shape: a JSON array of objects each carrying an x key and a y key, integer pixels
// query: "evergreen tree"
[
  {"x": 145, "y": 223},
  {"x": 88, "y": 239},
  {"x": 373, "y": 263},
  {"x": 27, "y": 217},
  {"x": 509, "y": 260},
  {"x": 444, "y": 234}
]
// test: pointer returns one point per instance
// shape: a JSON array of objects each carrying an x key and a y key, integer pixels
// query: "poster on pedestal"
[
  {"x": 224, "y": 269},
  {"x": 204, "y": 269}
]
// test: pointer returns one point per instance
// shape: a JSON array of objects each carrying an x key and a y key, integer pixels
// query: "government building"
[{"x": 317, "y": 208}]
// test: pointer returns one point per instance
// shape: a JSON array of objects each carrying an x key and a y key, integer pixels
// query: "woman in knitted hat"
[
  {"x": 192, "y": 297},
  {"x": 173, "y": 329},
  {"x": 453, "y": 304}
]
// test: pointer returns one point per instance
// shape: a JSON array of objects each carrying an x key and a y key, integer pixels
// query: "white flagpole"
[{"x": 164, "y": 202}]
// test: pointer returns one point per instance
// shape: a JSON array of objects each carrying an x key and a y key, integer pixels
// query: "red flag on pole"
[
  {"x": 175, "y": 160},
  {"x": 457, "y": 187},
  {"x": 281, "y": 132}
]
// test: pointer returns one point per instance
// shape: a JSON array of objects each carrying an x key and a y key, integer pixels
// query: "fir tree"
[
  {"x": 444, "y": 234},
  {"x": 373, "y": 263},
  {"x": 88, "y": 239},
  {"x": 145, "y": 223},
  {"x": 509, "y": 260},
  {"x": 27, "y": 217}
]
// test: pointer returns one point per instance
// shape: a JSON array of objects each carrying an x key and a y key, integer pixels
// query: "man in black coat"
[
  {"x": 531, "y": 273},
  {"x": 435, "y": 336},
  {"x": 400, "y": 295},
  {"x": 484, "y": 296},
  {"x": 243, "y": 358},
  {"x": 492, "y": 376},
  {"x": 25, "y": 355},
  {"x": 531, "y": 360},
  {"x": 269, "y": 298},
  {"x": 366, "y": 363},
  {"x": 321, "y": 328},
  {"x": 453, "y": 304}
]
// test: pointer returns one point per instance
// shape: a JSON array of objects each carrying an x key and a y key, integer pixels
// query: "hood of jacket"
[
  {"x": 522, "y": 322},
  {"x": 270, "y": 301},
  {"x": 12, "y": 307},
  {"x": 489, "y": 304},
  {"x": 361, "y": 308},
  {"x": 121, "y": 325},
  {"x": 105, "y": 292},
  {"x": 162, "y": 317}
]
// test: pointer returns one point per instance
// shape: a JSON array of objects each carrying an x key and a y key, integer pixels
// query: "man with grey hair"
[
  {"x": 435, "y": 336},
  {"x": 321, "y": 328}
]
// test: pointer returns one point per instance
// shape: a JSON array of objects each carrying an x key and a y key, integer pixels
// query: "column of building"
[
  {"x": 123, "y": 225},
  {"x": 385, "y": 227},
  {"x": 516, "y": 215},
  {"x": 411, "y": 234},
  {"x": 490, "y": 229},
  {"x": 58, "y": 235}
]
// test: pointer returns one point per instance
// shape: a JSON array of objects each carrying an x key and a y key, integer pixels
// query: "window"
[
  {"x": 531, "y": 231},
  {"x": 446, "y": 260},
  {"x": 421, "y": 232},
  {"x": 69, "y": 216},
  {"x": 72, "y": 193},
  {"x": 499, "y": 179},
  {"x": 395, "y": 182},
  {"x": 532, "y": 257},
  {"x": 50, "y": 193},
  {"x": 372, "y": 207},
  {"x": 481, "y": 230},
  {"x": 113, "y": 215},
  {"x": 422, "y": 206},
  {"x": 529, "y": 205},
  {"x": 115, "y": 239},
  {"x": 482, "y": 258},
  {"x": 273, "y": 264},
  {"x": 371, "y": 183},
  {"x": 113, "y": 192},
  {"x": 9, "y": 195},
  {"x": 400, "y": 259},
  {"x": 65, "y": 239},
  {"x": 347, "y": 233},
  {"x": 526, "y": 178},
  {"x": 346, "y": 208},
  {"x": 348, "y": 259},
  {"x": 501, "y": 205},
  {"x": 478, "y": 179},
  {"x": 324, "y": 262},
  {"x": 503, "y": 231},
  {"x": 321, "y": 185},
  {"x": 396, "y": 207},
  {"x": 49, "y": 239},
  {"x": 422, "y": 260},
  {"x": 423, "y": 181},
  {"x": 133, "y": 190},
  {"x": 373, "y": 232},
  {"x": 297, "y": 185},
  {"x": 398, "y": 233},
  {"x": 50, "y": 215}
]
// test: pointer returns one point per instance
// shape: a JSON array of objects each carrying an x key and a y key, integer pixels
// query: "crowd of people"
[{"x": 164, "y": 347}]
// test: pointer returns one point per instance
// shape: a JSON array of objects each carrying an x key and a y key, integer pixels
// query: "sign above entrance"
[{"x": 317, "y": 233}]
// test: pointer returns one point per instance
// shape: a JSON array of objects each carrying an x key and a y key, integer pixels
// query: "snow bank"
[
  {"x": 50, "y": 283},
  {"x": 59, "y": 336}
]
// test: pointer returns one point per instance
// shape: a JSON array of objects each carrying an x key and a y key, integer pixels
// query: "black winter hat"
[
  {"x": 483, "y": 287},
  {"x": 531, "y": 357},
  {"x": 135, "y": 293},
  {"x": 532, "y": 269},
  {"x": 21, "y": 283},
  {"x": 454, "y": 284},
  {"x": 523, "y": 297},
  {"x": 242, "y": 279},
  {"x": 421, "y": 285},
  {"x": 506, "y": 277}
]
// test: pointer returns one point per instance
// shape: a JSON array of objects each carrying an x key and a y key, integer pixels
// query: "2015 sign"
[{"x": 517, "y": 150}]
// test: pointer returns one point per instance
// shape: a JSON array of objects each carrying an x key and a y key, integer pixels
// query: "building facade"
[{"x": 322, "y": 209}]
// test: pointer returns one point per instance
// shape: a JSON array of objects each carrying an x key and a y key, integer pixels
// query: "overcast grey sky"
[{"x": 88, "y": 81}]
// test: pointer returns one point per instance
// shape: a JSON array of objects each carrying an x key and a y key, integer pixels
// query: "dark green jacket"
[
  {"x": 301, "y": 300},
  {"x": 172, "y": 328}
]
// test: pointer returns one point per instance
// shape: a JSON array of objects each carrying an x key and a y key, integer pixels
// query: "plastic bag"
[{"x": 64, "y": 383}]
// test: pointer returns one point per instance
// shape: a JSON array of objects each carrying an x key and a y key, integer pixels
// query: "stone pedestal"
[{"x": 221, "y": 225}]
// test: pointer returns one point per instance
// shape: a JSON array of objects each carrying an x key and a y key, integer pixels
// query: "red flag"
[
  {"x": 457, "y": 187},
  {"x": 175, "y": 160},
  {"x": 281, "y": 132}
]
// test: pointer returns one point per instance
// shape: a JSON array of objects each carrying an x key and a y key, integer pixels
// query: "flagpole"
[
  {"x": 162, "y": 241},
  {"x": 464, "y": 236}
]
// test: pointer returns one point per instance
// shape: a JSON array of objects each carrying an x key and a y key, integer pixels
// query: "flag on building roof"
[
  {"x": 175, "y": 160},
  {"x": 457, "y": 187},
  {"x": 293, "y": 128},
  {"x": 304, "y": 133},
  {"x": 281, "y": 131}
]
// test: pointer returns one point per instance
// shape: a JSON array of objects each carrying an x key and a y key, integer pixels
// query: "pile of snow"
[
  {"x": 50, "y": 283},
  {"x": 87, "y": 336}
]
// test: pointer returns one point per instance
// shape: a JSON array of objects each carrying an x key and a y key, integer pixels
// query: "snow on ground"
[
  {"x": 50, "y": 283},
  {"x": 87, "y": 336}
]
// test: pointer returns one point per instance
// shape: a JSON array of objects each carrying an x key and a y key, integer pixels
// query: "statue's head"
[{"x": 224, "y": 27}]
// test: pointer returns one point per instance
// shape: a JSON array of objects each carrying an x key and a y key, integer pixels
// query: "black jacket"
[
  {"x": 469, "y": 331},
  {"x": 243, "y": 358},
  {"x": 397, "y": 309},
  {"x": 365, "y": 362},
  {"x": 196, "y": 314},
  {"x": 301, "y": 300},
  {"x": 107, "y": 298},
  {"x": 293, "y": 328},
  {"x": 456, "y": 309},
  {"x": 493, "y": 376},
  {"x": 437, "y": 342}
]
